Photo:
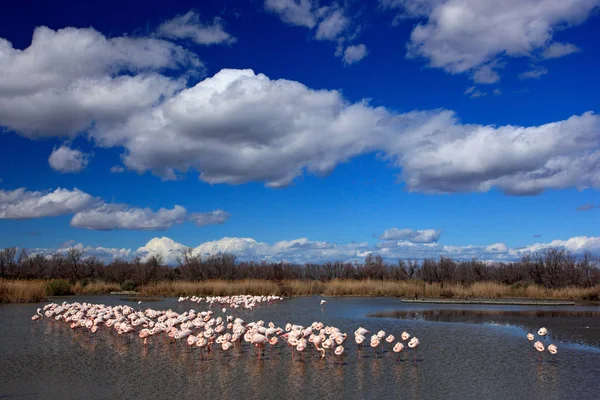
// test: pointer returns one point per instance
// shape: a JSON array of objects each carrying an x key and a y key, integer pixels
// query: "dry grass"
[
  {"x": 36, "y": 290},
  {"x": 22, "y": 291}
]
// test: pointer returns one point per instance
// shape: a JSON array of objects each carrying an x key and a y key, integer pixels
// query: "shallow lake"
[{"x": 466, "y": 352}]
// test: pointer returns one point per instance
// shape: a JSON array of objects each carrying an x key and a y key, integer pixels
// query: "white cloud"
[
  {"x": 69, "y": 79},
  {"x": 121, "y": 216},
  {"x": 210, "y": 218},
  {"x": 293, "y": 12},
  {"x": 333, "y": 25},
  {"x": 557, "y": 50},
  {"x": 534, "y": 73},
  {"x": 92, "y": 213},
  {"x": 354, "y": 53},
  {"x": 577, "y": 245},
  {"x": 463, "y": 35},
  {"x": 23, "y": 204},
  {"x": 189, "y": 26},
  {"x": 164, "y": 247},
  {"x": 409, "y": 235},
  {"x": 65, "y": 159}
]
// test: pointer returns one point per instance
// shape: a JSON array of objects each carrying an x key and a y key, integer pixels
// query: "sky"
[{"x": 300, "y": 130}]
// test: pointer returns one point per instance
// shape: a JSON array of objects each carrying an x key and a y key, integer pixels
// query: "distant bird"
[
  {"x": 543, "y": 331},
  {"x": 553, "y": 349},
  {"x": 530, "y": 337},
  {"x": 405, "y": 336},
  {"x": 140, "y": 302},
  {"x": 323, "y": 302}
]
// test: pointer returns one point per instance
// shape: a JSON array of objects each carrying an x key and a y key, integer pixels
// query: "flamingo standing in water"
[
  {"x": 390, "y": 339},
  {"x": 413, "y": 344},
  {"x": 539, "y": 346},
  {"x": 552, "y": 349},
  {"x": 374, "y": 344},
  {"x": 398, "y": 347},
  {"x": 339, "y": 351},
  {"x": 543, "y": 332}
]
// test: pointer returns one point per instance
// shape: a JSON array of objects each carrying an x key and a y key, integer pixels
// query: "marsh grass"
[
  {"x": 22, "y": 291},
  {"x": 18, "y": 291}
]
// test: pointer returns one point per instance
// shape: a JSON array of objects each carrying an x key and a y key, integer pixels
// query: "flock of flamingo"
[
  {"x": 539, "y": 346},
  {"x": 205, "y": 331}
]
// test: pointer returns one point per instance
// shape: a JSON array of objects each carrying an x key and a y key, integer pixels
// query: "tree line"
[{"x": 551, "y": 268}]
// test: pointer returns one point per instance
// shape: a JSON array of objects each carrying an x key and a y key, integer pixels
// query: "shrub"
[
  {"x": 128, "y": 286},
  {"x": 58, "y": 287}
]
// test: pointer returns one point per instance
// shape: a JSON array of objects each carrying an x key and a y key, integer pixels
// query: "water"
[{"x": 466, "y": 352}]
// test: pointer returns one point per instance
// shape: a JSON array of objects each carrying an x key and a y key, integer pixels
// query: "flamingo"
[
  {"x": 398, "y": 347},
  {"x": 323, "y": 302},
  {"x": 543, "y": 332},
  {"x": 539, "y": 346},
  {"x": 375, "y": 344},
  {"x": 339, "y": 351},
  {"x": 413, "y": 344},
  {"x": 552, "y": 349}
]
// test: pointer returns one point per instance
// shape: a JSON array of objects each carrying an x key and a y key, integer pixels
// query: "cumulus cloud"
[
  {"x": 354, "y": 53},
  {"x": 465, "y": 35},
  {"x": 293, "y": 12},
  {"x": 189, "y": 26},
  {"x": 303, "y": 250},
  {"x": 557, "y": 50},
  {"x": 585, "y": 207},
  {"x": 64, "y": 159},
  {"x": 164, "y": 247},
  {"x": 121, "y": 216},
  {"x": 278, "y": 129},
  {"x": 23, "y": 204},
  {"x": 210, "y": 218},
  {"x": 70, "y": 79},
  {"x": 409, "y": 235}
]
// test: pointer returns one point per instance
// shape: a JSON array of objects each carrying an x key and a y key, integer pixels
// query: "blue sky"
[{"x": 300, "y": 130}]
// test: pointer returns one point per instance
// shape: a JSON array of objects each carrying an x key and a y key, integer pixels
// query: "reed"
[
  {"x": 22, "y": 291},
  {"x": 18, "y": 291}
]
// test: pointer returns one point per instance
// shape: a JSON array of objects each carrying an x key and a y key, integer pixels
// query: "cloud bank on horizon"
[{"x": 303, "y": 250}]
